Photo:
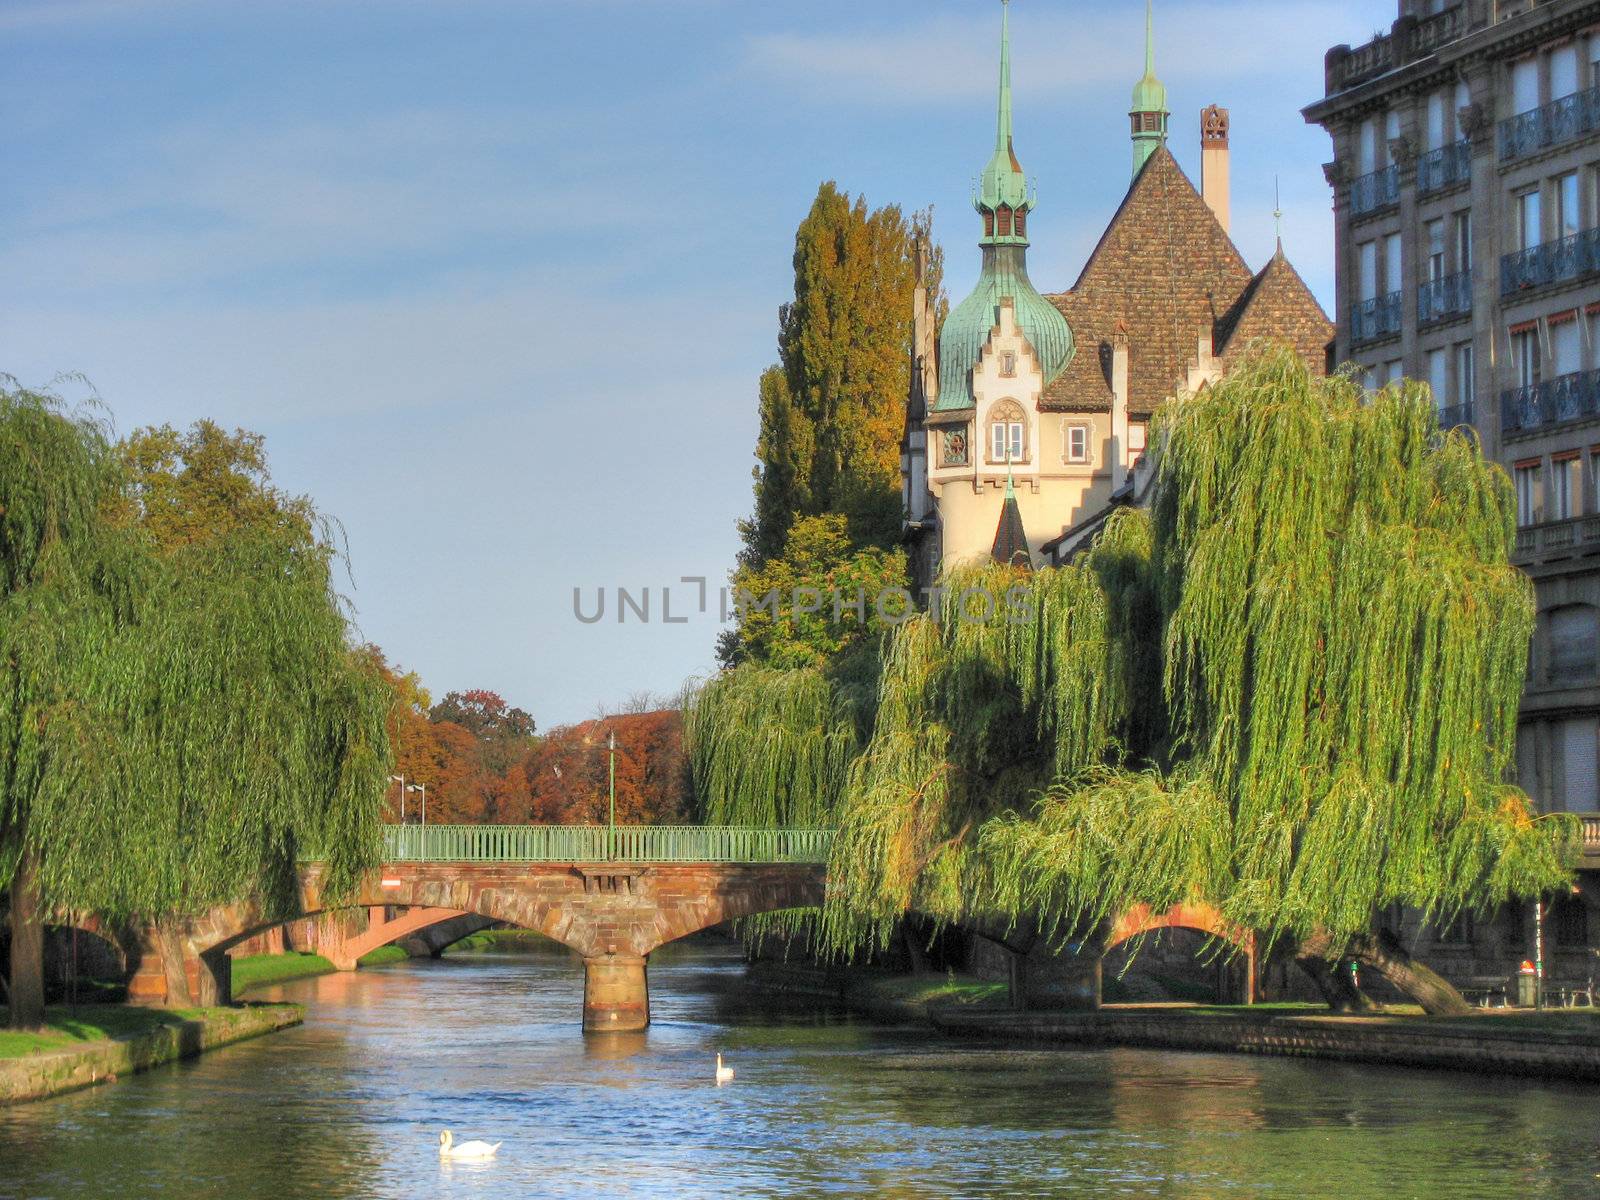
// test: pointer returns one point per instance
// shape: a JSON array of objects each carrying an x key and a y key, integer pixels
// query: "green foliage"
[
  {"x": 1288, "y": 692},
  {"x": 806, "y": 607},
  {"x": 180, "y": 718},
  {"x": 769, "y": 747},
  {"x": 833, "y": 410},
  {"x": 198, "y": 486}
]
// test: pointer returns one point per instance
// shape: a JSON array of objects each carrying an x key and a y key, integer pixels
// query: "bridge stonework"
[{"x": 613, "y": 914}]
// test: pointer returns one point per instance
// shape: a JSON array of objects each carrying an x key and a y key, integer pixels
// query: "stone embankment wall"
[
  {"x": 1472, "y": 1044},
  {"x": 55, "y": 1071}
]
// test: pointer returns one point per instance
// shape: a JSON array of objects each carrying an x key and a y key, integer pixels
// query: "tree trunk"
[
  {"x": 27, "y": 947},
  {"x": 1334, "y": 982},
  {"x": 1383, "y": 952}
]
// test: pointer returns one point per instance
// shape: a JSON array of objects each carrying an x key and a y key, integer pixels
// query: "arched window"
[
  {"x": 1574, "y": 638},
  {"x": 1008, "y": 433}
]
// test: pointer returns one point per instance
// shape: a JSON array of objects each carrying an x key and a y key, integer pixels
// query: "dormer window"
[{"x": 1008, "y": 364}]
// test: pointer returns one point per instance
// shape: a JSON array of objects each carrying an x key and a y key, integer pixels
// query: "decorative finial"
[
  {"x": 1277, "y": 212},
  {"x": 1149, "y": 38}
]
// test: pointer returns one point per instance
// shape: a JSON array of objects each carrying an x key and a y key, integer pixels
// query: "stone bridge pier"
[{"x": 613, "y": 914}]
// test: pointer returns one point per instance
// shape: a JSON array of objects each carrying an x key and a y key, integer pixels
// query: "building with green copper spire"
[
  {"x": 1149, "y": 115},
  {"x": 1027, "y": 417}
]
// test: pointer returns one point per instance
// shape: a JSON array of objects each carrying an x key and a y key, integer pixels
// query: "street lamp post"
[
  {"x": 611, "y": 745},
  {"x": 401, "y": 780},
  {"x": 423, "y": 788}
]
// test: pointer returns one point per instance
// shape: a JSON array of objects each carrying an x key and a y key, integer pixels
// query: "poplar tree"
[
  {"x": 181, "y": 719},
  {"x": 833, "y": 409}
]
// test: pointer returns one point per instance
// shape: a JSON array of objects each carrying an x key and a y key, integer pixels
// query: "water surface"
[{"x": 351, "y": 1104}]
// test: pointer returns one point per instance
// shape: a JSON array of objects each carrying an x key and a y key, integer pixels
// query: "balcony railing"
[
  {"x": 1452, "y": 416},
  {"x": 1375, "y": 191},
  {"x": 1563, "y": 120},
  {"x": 1408, "y": 40},
  {"x": 1568, "y": 258},
  {"x": 1591, "y": 834},
  {"x": 1445, "y": 297},
  {"x": 1557, "y": 538},
  {"x": 1375, "y": 318},
  {"x": 1444, "y": 167},
  {"x": 1564, "y": 398}
]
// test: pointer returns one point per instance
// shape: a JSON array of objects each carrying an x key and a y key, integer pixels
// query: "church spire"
[
  {"x": 1149, "y": 112},
  {"x": 1003, "y": 192}
]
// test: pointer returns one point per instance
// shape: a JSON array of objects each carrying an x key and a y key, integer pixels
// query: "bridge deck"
[{"x": 600, "y": 843}]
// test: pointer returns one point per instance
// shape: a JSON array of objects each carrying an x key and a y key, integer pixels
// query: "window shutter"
[{"x": 1579, "y": 743}]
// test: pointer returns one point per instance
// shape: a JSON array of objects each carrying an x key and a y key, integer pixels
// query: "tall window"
[
  {"x": 1574, "y": 630},
  {"x": 1367, "y": 147},
  {"x": 1578, "y": 757},
  {"x": 1391, "y": 263},
  {"x": 1566, "y": 345},
  {"x": 1436, "y": 269},
  {"x": 1077, "y": 444},
  {"x": 1439, "y": 122},
  {"x": 1438, "y": 362},
  {"x": 1525, "y": 85},
  {"x": 1529, "y": 224},
  {"x": 1367, "y": 269},
  {"x": 1566, "y": 491},
  {"x": 1569, "y": 208},
  {"x": 1530, "y": 495},
  {"x": 1005, "y": 441},
  {"x": 1525, "y": 356},
  {"x": 1563, "y": 71},
  {"x": 1464, "y": 381},
  {"x": 1462, "y": 237}
]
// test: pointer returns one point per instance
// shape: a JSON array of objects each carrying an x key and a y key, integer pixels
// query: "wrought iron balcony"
[
  {"x": 1445, "y": 297},
  {"x": 1568, "y": 258},
  {"x": 1563, "y": 120},
  {"x": 1444, "y": 167},
  {"x": 1557, "y": 539},
  {"x": 1564, "y": 398},
  {"x": 1375, "y": 318},
  {"x": 1375, "y": 192},
  {"x": 1451, "y": 416}
]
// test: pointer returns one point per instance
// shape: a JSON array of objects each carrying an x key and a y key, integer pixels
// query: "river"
[{"x": 488, "y": 1045}]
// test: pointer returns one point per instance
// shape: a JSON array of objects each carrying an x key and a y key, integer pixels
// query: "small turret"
[{"x": 1149, "y": 113}]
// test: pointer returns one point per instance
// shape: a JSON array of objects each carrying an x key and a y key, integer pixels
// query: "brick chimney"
[{"x": 1214, "y": 163}]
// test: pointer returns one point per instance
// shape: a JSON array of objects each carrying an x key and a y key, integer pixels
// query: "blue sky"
[{"x": 496, "y": 279}]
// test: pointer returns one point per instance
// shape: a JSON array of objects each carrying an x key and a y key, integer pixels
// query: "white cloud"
[{"x": 1087, "y": 51}]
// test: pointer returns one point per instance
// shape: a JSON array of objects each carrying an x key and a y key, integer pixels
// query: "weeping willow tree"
[
  {"x": 176, "y": 728},
  {"x": 1344, "y": 650},
  {"x": 1288, "y": 692}
]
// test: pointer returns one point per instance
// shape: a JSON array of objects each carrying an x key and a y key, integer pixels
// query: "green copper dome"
[
  {"x": 967, "y": 328},
  {"x": 1004, "y": 201}
]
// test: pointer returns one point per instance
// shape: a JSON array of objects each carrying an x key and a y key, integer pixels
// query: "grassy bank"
[
  {"x": 498, "y": 939},
  {"x": 257, "y": 970},
  {"x": 98, "y": 1043},
  {"x": 65, "y": 1027}
]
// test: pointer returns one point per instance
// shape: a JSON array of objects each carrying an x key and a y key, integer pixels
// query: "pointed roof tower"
[
  {"x": 1010, "y": 547},
  {"x": 1149, "y": 113},
  {"x": 1004, "y": 201}
]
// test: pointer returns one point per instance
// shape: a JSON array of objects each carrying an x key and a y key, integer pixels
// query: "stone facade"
[{"x": 1466, "y": 191}]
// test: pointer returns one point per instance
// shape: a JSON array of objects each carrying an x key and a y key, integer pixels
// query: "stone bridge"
[{"x": 612, "y": 914}]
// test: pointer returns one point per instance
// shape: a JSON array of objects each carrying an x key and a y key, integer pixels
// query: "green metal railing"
[{"x": 604, "y": 844}]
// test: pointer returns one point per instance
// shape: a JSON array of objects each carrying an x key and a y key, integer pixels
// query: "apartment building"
[{"x": 1466, "y": 185}]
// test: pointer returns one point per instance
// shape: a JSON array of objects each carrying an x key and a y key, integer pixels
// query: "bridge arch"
[
  {"x": 1141, "y": 919},
  {"x": 613, "y": 915}
]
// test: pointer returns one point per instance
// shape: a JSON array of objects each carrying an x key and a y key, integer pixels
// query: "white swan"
[
  {"x": 724, "y": 1074},
  {"x": 448, "y": 1148}
]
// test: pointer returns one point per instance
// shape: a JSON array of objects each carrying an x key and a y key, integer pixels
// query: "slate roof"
[
  {"x": 1010, "y": 540},
  {"x": 1165, "y": 270}
]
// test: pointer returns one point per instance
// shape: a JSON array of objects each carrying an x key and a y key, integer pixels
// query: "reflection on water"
[{"x": 488, "y": 1046}]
